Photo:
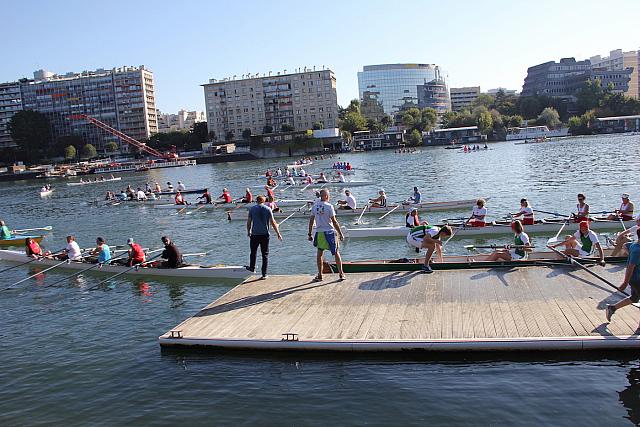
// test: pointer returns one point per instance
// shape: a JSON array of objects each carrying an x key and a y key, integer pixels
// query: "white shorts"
[
  {"x": 582, "y": 253},
  {"x": 414, "y": 242},
  {"x": 515, "y": 256}
]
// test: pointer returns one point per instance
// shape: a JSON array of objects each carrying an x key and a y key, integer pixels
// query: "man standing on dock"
[
  {"x": 631, "y": 277},
  {"x": 324, "y": 217},
  {"x": 258, "y": 221}
]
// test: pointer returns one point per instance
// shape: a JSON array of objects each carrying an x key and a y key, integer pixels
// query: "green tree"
[
  {"x": 31, "y": 131},
  {"x": 200, "y": 131},
  {"x": 375, "y": 126},
  {"x": 484, "y": 121},
  {"x": 549, "y": 117},
  {"x": 515, "y": 121},
  {"x": 246, "y": 134},
  {"x": 428, "y": 119},
  {"x": 70, "y": 152},
  {"x": 354, "y": 107},
  {"x": 415, "y": 138},
  {"x": 286, "y": 127},
  {"x": 484, "y": 100},
  {"x": 111, "y": 147},
  {"x": 317, "y": 125},
  {"x": 353, "y": 121},
  {"x": 89, "y": 152},
  {"x": 386, "y": 121}
]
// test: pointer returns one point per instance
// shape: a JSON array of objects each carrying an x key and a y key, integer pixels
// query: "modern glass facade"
[{"x": 394, "y": 86}]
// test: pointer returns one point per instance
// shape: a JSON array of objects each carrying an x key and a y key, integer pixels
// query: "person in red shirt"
[
  {"x": 136, "y": 253},
  {"x": 32, "y": 248},
  {"x": 179, "y": 199},
  {"x": 270, "y": 192},
  {"x": 248, "y": 197},
  {"x": 225, "y": 197}
]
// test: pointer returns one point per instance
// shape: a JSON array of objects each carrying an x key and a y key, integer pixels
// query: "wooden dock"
[{"x": 532, "y": 308}]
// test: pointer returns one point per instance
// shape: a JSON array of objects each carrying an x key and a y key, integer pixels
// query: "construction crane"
[{"x": 126, "y": 138}]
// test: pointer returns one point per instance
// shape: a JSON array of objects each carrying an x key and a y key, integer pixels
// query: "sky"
[{"x": 487, "y": 43}]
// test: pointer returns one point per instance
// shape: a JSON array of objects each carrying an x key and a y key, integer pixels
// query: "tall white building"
[
  {"x": 463, "y": 97},
  {"x": 184, "y": 120},
  {"x": 267, "y": 103},
  {"x": 619, "y": 60}
]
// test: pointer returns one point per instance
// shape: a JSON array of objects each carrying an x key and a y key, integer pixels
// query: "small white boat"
[
  {"x": 329, "y": 184},
  {"x": 301, "y": 165},
  {"x": 71, "y": 184},
  {"x": 533, "y": 132},
  {"x": 46, "y": 193},
  {"x": 189, "y": 271}
]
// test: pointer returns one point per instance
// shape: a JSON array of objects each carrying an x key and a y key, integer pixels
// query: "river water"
[{"x": 83, "y": 357}]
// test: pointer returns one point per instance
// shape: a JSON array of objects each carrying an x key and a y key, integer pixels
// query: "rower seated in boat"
[
  {"x": 109, "y": 196},
  {"x": 428, "y": 237},
  {"x": 416, "y": 197},
  {"x": 322, "y": 179},
  {"x": 411, "y": 219},
  {"x": 520, "y": 249},
  {"x": 71, "y": 251},
  {"x": 627, "y": 236},
  {"x": 271, "y": 182},
  {"x": 582, "y": 208},
  {"x": 270, "y": 192},
  {"x": 271, "y": 204},
  {"x": 181, "y": 186},
  {"x": 157, "y": 188},
  {"x": 32, "y": 248},
  {"x": 101, "y": 254},
  {"x": 136, "y": 254},
  {"x": 291, "y": 181},
  {"x": 248, "y": 197},
  {"x": 171, "y": 254},
  {"x": 349, "y": 202},
  {"x": 140, "y": 195},
  {"x": 179, "y": 199},
  {"x": 308, "y": 179},
  {"x": 169, "y": 187},
  {"x": 5, "y": 233},
  {"x": 625, "y": 212},
  {"x": 224, "y": 198},
  {"x": 122, "y": 196},
  {"x": 341, "y": 177},
  {"x": 380, "y": 201},
  {"x": 205, "y": 199},
  {"x": 478, "y": 214},
  {"x": 582, "y": 243},
  {"x": 526, "y": 212}
]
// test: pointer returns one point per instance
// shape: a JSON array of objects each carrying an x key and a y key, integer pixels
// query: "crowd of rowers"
[
  {"x": 149, "y": 193},
  {"x": 102, "y": 253}
]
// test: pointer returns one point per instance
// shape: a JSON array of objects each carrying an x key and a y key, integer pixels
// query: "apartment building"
[
  {"x": 183, "y": 121},
  {"x": 267, "y": 103},
  {"x": 463, "y": 97},
  {"x": 10, "y": 103},
  {"x": 618, "y": 61}
]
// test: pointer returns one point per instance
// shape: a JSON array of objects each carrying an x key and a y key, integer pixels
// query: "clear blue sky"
[{"x": 486, "y": 43}]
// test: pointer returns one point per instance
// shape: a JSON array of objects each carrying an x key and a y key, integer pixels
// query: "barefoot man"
[{"x": 324, "y": 217}]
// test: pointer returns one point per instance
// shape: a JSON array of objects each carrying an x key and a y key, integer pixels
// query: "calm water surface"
[{"x": 83, "y": 357}]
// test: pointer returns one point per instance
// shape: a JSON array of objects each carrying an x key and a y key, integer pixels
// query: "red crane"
[{"x": 126, "y": 138}]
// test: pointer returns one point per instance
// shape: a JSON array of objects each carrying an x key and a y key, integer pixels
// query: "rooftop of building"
[
  {"x": 382, "y": 67},
  {"x": 252, "y": 76},
  {"x": 44, "y": 75}
]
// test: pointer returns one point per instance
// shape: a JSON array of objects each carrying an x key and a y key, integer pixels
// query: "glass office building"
[{"x": 392, "y": 87}]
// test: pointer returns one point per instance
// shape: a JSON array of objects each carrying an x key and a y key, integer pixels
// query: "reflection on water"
[{"x": 630, "y": 396}]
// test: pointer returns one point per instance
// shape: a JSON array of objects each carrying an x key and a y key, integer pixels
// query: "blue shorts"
[{"x": 325, "y": 240}]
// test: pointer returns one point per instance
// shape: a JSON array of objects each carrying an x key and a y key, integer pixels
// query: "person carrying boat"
[
  {"x": 380, "y": 201},
  {"x": 181, "y": 186},
  {"x": 225, "y": 197},
  {"x": 411, "y": 219},
  {"x": 478, "y": 214},
  {"x": 32, "y": 248},
  {"x": 428, "y": 237},
  {"x": 631, "y": 278},
  {"x": 140, "y": 196},
  {"x": 71, "y": 251},
  {"x": 179, "y": 199},
  {"x": 248, "y": 197},
  {"x": 259, "y": 218},
  {"x": 101, "y": 254},
  {"x": 526, "y": 212},
  {"x": 206, "y": 198},
  {"x": 349, "y": 202},
  {"x": 5, "y": 233},
  {"x": 625, "y": 212},
  {"x": 521, "y": 244},
  {"x": 582, "y": 208},
  {"x": 627, "y": 236},
  {"x": 582, "y": 243},
  {"x": 172, "y": 255},
  {"x": 324, "y": 217},
  {"x": 416, "y": 197}
]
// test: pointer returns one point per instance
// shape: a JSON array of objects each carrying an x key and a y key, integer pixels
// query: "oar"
[
  {"x": 573, "y": 261},
  {"x": 291, "y": 214},
  {"x": 471, "y": 247},
  {"x": 98, "y": 264},
  {"x": 362, "y": 213},
  {"x": 126, "y": 271},
  {"x": 66, "y": 261},
  {"x": 554, "y": 239},
  {"x": 24, "y": 263},
  {"x": 196, "y": 254},
  {"x": 24, "y": 230},
  {"x": 397, "y": 206},
  {"x": 182, "y": 210},
  {"x": 305, "y": 187},
  {"x": 551, "y": 213},
  {"x": 196, "y": 209},
  {"x": 456, "y": 229}
]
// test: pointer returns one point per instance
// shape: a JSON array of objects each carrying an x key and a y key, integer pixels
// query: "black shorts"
[{"x": 635, "y": 292}]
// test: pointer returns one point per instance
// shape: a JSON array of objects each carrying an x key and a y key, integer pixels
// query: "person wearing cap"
[
  {"x": 526, "y": 212},
  {"x": 520, "y": 241},
  {"x": 101, "y": 253},
  {"x": 582, "y": 207},
  {"x": 625, "y": 212},
  {"x": 478, "y": 214},
  {"x": 349, "y": 202},
  {"x": 171, "y": 253},
  {"x": 631, "y": 278},
  {"x": 169, "y": 187},
  {"x": 627, "y": 236},
  {"x": 582, "y": 243},
  {"x": 380, "y": 201},
  {"x": 136, "y": 254},
  {"x": 411, "y": 219}
]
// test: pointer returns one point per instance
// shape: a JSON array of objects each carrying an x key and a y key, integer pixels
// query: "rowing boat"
[
  {"x": 549, "y": 225},
  {"x": 71, "y": 184},
  {"x": 46, "y": 193},
  {"x": 323, "y": 184},
  {"x": 172, "y": 193},
  {"x": 231, "y": 206},
  {"x": 297, "y": 166},
  {"x": 19, "y": 241},
  {"x": 462, "y": 262},
  {"x": 189, "y": 271}
]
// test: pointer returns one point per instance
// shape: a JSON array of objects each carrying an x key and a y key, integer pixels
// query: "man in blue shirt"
[
  {"x": 631, "y": 277},
  {"x": 101, "y": 251},
  {"x": 258, "y": 221}
]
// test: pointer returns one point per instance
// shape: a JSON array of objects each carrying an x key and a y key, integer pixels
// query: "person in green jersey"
[
  {"x": 5, "y": 233},
  {"x": 428, "y": 237},
  {"x": 582, "y": 243},
  {"x": 521, "y": 244}
]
